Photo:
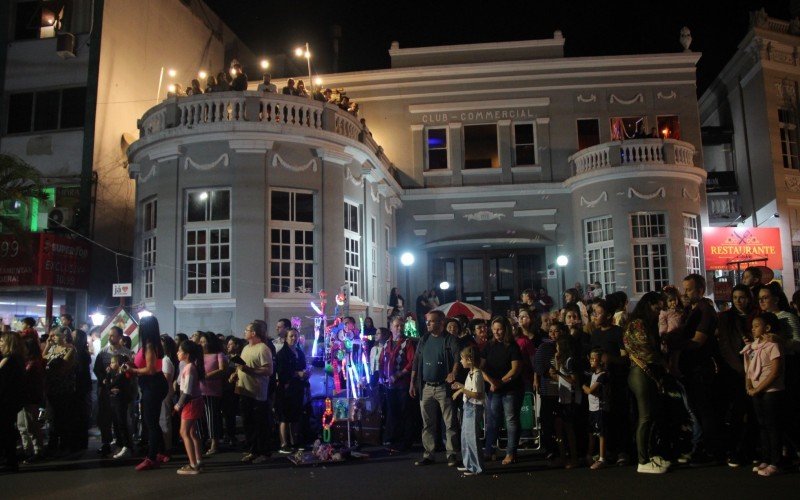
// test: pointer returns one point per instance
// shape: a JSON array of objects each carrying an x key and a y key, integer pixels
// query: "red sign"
[
  {"x": 44, "y": 259},
  {"x": 727, "y": 247}
]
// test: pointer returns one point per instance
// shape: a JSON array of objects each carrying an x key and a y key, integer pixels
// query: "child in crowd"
[
  {"x": 764, "y": 371},
  {"x": 190, "y": 404},
  {"x": 668, "y": 321},
  {"x": 598, "y": 392},
  {"x": 473, "y": 393},
  {"x": 118, "y": 385},
  {"x": 563, "y": 370}
]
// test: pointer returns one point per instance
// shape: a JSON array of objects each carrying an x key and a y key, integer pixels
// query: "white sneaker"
[
  {"x": 651, "y": 468},
  {"x": 661, "y": 462},
  {"x": 123, "y": 453}
]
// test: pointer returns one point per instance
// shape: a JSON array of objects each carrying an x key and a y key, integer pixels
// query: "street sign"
[{"x": 122, "y": 290}]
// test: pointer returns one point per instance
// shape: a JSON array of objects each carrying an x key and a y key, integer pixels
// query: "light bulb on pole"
[
  {"x": 562, "y": 261},
  {"x": 407, "y": 259},
  {"x": 299, "y": 52},
  {"x": 264, "y": 64}
]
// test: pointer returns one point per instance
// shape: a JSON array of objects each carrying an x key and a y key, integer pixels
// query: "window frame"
[
  {"x": 464, "y": 128},
  {"x": 515, "y": 144},
  {"x": 294, "y": 227},
  {"x": 691, "y": 243},
  {"x": 209, "y": 227},
  {"x": 32, "y": 115},
  {"x": 600, "y": 253},
  {"x": 790, "y": 149},
  {"x": 352, "y": 251},
  {"x": 644, "y": 277},
  {"x": 446, "y": 148},
  {"x": 149, "y": 248}
]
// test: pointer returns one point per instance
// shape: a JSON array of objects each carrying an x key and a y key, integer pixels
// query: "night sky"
[{"x": 590, "y": 28}]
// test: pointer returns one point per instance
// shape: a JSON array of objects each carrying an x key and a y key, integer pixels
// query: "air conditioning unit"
[
  {"x": 65, "y": 45},
  {"x": 59, "y": 217}
]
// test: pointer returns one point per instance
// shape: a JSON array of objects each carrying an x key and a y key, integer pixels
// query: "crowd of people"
[
  {"x": 670, "y": 381},
  {"x": 236, "y": 80}
]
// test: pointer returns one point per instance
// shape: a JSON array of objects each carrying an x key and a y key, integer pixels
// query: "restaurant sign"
[{"x": 728, "y": 248}]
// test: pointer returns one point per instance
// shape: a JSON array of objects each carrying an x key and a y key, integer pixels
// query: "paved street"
[{"x": 381, "y": 476}]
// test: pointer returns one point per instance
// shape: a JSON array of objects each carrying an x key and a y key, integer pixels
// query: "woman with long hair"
[
  {"x": 502, "y": 367},
  {"x": 169, "y": 367},
  {"x": 215, "y": 364},
  {"x": 59, "y": 356},
  {"x": 643, "y": 345},
  {"x": 12, "y": 378},
  {"x": 82, "y": 405},
  {"x": 147, "y": 366}
]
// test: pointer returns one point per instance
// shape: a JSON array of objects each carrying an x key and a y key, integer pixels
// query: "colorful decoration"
[
  {"x": 327, "y": 421},
  {"x": 410, "y": 329},
  {"x": 317, "y": 330}
]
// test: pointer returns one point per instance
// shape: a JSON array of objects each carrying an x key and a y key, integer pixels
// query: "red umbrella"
[{"x": 458, "y": 308}]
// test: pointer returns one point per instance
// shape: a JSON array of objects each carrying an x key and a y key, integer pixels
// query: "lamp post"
[
  {"x": 562, "y": 261},
  {"x": 407, "y": 259},
  {"x": 299, "y": 52}
]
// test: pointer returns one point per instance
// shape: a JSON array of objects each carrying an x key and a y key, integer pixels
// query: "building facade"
[
  {"x": 485, "y": 161},
  {"x": 77, "y": 76},
  {"x": 750, "y": 124}
]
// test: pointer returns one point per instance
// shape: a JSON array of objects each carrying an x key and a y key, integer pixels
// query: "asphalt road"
[{"x": 381, "y": 476}]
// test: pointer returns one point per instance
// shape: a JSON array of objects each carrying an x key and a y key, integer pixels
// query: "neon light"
[
  {"x": 366, "y": 365},
  {"x": 34, "y": 215},
  {"x": 353, "y": 379},
  {"x": 315, "y": 308},
  {"x": 317, "y": 328},
  {"x": 327, "y": 421}
]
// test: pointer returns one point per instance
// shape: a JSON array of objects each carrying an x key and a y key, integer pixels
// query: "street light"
[
  {"x": 299, "y": 52},
  {"x": 444, "y": 286},
  {"x": 407, "y": 259},
  {"x": 98, "y": 318},
  {"x": 143, "y": 313},
  {"x": 264, "y": 64},
  {"x": 562, "y": 261}
]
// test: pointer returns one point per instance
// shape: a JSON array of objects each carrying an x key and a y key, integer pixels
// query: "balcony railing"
[
  {"x": 634, "y": 152},
  {"x": 724, "y": 207},
  {"x": 291, "y": 112}
]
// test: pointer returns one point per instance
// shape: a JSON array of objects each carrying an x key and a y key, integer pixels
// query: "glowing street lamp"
[
  {"x": 407, "y": 259},
  {"x": 202, "y": 74},
  {"x": 144, "y": 313},
  {"x": 264, "y": 64},
  {"x": 98, "y": 318},
  {"x": 562, "y": 261},
  {"x": 444, "y": 285},
  {"x": 172, "y": 73}
]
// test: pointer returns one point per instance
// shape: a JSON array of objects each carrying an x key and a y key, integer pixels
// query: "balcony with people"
[{"x": 644, "y": 152}]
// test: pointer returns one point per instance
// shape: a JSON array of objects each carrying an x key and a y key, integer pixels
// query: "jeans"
[
  {"x": 647, "y": 402},
  {"x": 399, "y": 417},
  {"x": 509, "y": 405},
  {"x": 433, "y": 398},
  {"x": 154, "y": 390},
  {"x": 470, "y": 427},
  {"x": 119, "y": 417},
  {"x": 699, "y": 391},
  {"x": 769, "y": 408},
  {"x": 254, "y": 418}
]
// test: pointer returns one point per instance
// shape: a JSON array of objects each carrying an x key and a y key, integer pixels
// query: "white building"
[{"x": 498, "y": 158}]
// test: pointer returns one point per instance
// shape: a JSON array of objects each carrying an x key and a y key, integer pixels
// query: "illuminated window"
[
  {"x": 150, "y": 217},
  {"x": 669, "y": 127},
  {"x": 436, "y": 148},
  {"x": 291, "y": 225},
  {"x": 352, "y": 248},
  {"x": 599, "y": 236},
  {"x": 207, "y": 245},
  {"x": 691, "y": 241},
  {"x": 625, "y": 128}
]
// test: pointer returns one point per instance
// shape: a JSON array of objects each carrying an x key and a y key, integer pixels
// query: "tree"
[{"x": 18, "y": 182}]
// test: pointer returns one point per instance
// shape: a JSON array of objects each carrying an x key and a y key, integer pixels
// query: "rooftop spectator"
[{"x": 266, "y": 85}]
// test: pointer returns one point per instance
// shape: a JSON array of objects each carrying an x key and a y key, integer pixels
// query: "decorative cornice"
[
  {"x": 637, "y": 98},
  {"x": 531, "y": 102},
  {"x": 486, "y": 205},
  {"x": 151, "y": 173},
  {"x": 658, "y": 193},
  {"x": 430, "y": 217},
  {"x": 543, "y": 121},
  {"x": 535, "y": 213},
  {"x": 549, "y": 227},
  {"x": 591, "y": 204},
  {"x": 277, "y": 160},
  {"x": 188, "y": 162},
  {"x": 348, "y": 175},
  {"x": 667, "y": 97},
  {"x": 686, "y": 194},
  {"x": 337, "y": 157},
  {"x": 484, "y": 215},
  {"x": 250, "y": 146},
  {"x": 167, "y": 152},
  {"x": 391, "y": 204},
  {"x": 591, "y": 98}
]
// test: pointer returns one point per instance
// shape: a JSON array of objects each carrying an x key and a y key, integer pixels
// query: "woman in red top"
[{"x": 147, "y": 366}]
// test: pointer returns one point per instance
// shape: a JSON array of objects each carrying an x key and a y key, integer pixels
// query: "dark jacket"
[{"x": 452, "y": 356}]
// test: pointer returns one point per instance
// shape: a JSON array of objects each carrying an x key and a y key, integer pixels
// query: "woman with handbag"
[{"x": 643, "y": 345}]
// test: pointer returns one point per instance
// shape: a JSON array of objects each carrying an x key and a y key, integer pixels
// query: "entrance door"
[
  {"x": 473, "y": 282},
  {"x": 501, "y": 284}
]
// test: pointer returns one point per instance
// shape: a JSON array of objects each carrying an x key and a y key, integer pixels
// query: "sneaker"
[
  {"x": 285, "y": 450},
  {"x": 734, "y": 462},
  {"x": 451, "y": 461},
  {"x": 188, "y": 470},
  {"x": 162, "y": 459},
  {"x": 623, "y": 459},
  {"x": 260, "y": 459},
  {"x": 684, "y": 458},
  {"x": 423, "y": 462},
  {"x": 760, "y": 467},
  {"x": 661, "y": 461},
  {"x": 769, "y": 470},
  {"x": 650, "y": 468},
  {"x": 461, "y": 468},
  {"x": 147, "y": 464},
  {"x": 599, "y": 464},
  {"x": 123, "y": 453},
  {"x": 248, "y": 458},
  {"x": 470, "y": 473},
  {"x": 210, "y": 453}
]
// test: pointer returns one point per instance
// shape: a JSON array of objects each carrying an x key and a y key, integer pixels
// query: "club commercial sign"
[
  {"x": 729, "y": 247},
  {"x": 479, "y": 115}
]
